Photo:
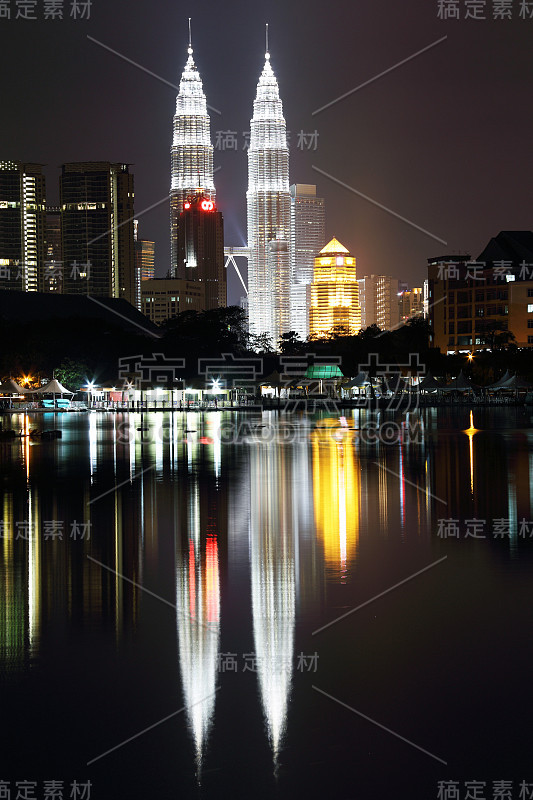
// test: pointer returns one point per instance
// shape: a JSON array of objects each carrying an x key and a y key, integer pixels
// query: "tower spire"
[
  {"x": 190, "y": 38},
  {"x": 267, "y": 54}
]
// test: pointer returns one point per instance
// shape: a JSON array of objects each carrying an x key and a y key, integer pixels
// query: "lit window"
[
  {"x": 510, "y": 278},
  {"x": 530, "y": 308}
]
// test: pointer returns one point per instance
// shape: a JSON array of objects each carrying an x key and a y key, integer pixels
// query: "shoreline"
[{"x": 331, "y": 405}]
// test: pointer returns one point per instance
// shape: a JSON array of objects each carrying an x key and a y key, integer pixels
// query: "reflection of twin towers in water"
[
  {"x": 275, "y": 513},
  {"x": 288, "y": 502},
  {"x": 267, "y": 509}
]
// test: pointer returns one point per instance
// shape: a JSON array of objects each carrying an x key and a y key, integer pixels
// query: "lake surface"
[{"x": 170, "y": 602}]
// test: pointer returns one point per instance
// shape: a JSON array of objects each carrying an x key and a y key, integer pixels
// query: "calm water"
[{"x": 210, "y": 569}]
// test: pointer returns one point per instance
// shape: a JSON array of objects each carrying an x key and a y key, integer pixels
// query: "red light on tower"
[
  {"x": 186, "y": 205},
  {"x": 207, "y": 205}
]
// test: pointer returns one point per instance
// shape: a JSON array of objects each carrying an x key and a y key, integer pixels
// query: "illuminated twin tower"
[
  {"x": 268, "y": 203},
  {"x": 196, "y": 226},
  {"x": 268, "y": 196}
]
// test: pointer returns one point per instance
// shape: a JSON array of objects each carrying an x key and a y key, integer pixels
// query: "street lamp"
[{"x": 90, "y": 386}]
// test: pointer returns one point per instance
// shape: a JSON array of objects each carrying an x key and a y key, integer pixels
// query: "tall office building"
[
  {"x": 379, "y": 301},
  {"x": 308, "y": 232},
  {"x": 268, "y": 211},
  {"x": 483, "y": 303},
  {"x": 411, "y": 303},
  {"x": 334, "y": 293},
  {"x": 164, "y": 298},
  {"x": 387, "y": 309},
  {"x": 425, "y": 302},
  {"x": 201, "y": 248},
  {"x": 144, "y": 256},
  {"x": 96, "y": 201},
  {"x": 22, "y": 226},
  {"x": 367, "y": 300},
  {"x": 53, "y": 265},
  {"x": 191, "y": 152}
]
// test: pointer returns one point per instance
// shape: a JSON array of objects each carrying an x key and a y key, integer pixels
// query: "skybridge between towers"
[{"x": 231, "y": 253}]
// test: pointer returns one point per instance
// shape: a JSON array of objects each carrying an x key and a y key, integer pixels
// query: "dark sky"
[{"x": 444, "y": 140}]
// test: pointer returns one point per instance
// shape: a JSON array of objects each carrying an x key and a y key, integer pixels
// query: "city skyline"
[
  {"x": 267, "y": 472},
  {"x": 393, "y": 164}
]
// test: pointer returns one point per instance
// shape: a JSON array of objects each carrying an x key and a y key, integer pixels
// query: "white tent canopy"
[
  {"x": 11, "y": 387},
  {"x": 53, "y": 387}
]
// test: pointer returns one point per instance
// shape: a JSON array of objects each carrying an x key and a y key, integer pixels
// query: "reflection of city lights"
[
  {"x": 198, "y": 622},
  {"x": 471, "y": 432},
  {"x": 337, "y": 490},
  {"x": 273, "y": 583}
]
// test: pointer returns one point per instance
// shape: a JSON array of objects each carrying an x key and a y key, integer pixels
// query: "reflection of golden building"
[
  {"x": 337, "y": 493},
  {"x": 334, "y": 292}
]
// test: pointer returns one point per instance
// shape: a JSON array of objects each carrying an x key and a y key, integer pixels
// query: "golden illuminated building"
[{"x": 334, "y": 292}]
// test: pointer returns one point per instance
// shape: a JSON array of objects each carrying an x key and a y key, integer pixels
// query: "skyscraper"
[
  {"x": 387, "y": 309},
  {"x": 96, "y": 201},
  {"x": 201, "y": 248},
  {"x": 334, "y": 292},
  {"x": 191, "y": 152},
  {"x": 379, "y": 301},
  {"x": 22, "y": 226},
  {"x": 53, "y": 265},
  {"x": 411, "y": 303},
  {"x": 269, "y": 212},
  {"x": 308, "y": 232},
  {"x": 144, "y": 255}
]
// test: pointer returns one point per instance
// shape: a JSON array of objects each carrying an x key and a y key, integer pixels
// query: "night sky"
[{"x": 444, "y": 140}]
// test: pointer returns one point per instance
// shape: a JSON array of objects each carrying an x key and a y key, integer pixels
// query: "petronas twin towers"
[{"x": 268, "y": 197}]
